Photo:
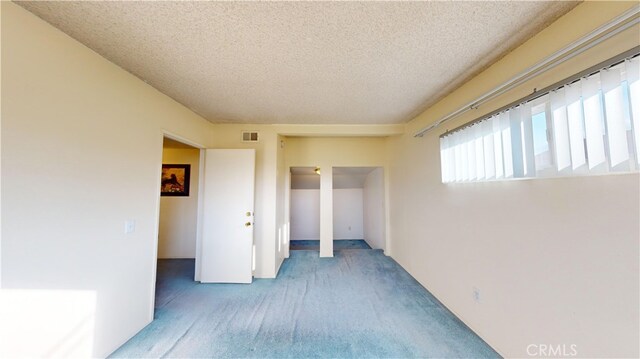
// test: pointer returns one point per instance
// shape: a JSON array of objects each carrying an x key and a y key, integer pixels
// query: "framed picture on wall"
[{"x": 175, "y": 180}]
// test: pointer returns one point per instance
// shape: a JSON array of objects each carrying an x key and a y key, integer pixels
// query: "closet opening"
[
  {"x": 305, "y": 209},
  {"x": 358, "y": 208}
]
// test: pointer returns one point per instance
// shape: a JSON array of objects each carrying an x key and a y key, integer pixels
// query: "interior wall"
[
  {"x": 178, "y": 215},
  {"x": 348, "y": 218},
  {"x": 305, "y": 214},
  {"x": 282, "y": 189},
  {"x": 81, "y": 154},
  {"x": 314, "y": 154},
  {"x": 373, "y": 207},
  {"x": 327, "y": 153},
  {"x": 347, "y": 214},
  {"x": 552, "y": 261},
  {"x": 276, "y": 152},
  {"x": 305, "y": 181}
]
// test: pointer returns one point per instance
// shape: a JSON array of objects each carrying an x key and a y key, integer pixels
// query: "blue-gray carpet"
[
  {"x": 359, "y": 304},
  {"x": 296, "y": 245}
]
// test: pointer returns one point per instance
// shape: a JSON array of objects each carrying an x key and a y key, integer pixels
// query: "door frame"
[{"x": 154, "y": 265}]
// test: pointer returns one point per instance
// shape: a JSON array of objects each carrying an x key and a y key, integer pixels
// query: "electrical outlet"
[{"x": 476, "y": 295}]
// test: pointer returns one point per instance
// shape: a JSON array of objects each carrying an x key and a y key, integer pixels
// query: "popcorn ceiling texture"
[{"x": 302, "y": 62}]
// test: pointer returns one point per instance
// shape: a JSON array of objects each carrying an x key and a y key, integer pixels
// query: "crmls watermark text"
[{"x": 552, "y": 350}]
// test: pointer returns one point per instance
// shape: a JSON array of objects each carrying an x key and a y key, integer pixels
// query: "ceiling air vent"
[{"x": 248, "y": 136}]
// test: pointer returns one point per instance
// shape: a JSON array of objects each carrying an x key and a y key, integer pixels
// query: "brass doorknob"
[{"x": 248, "y": 224}]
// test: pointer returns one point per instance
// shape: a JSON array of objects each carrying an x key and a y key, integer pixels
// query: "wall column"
[{"x": 326, "y": 211}]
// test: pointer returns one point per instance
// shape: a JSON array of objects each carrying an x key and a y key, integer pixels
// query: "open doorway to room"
[
  {"x": 178, "y": 218},
  {"x": 358, "y": 208},
  {"x": 305, "y": 209}
]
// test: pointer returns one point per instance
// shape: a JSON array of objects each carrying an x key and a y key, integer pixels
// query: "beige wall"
[
  {"x": 329, "y": 152},
  {"x": 555, "y": 260},
  {"x": 336, "y": 152},
  {"x": 374, "y": 209},
  {"x": 305, "y": 214},
  {"x": 276, "y": 153},
  {"x": 178, "y": 215},
  {"x": 348, "y": 216},
  {"x": 81, "y": 154}
]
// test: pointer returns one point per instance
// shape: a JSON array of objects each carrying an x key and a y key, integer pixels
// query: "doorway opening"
[
  {"x": 178, "y": 219},
  {"x": 305, "y": 209},
  {"x": 358, "y": 208}
]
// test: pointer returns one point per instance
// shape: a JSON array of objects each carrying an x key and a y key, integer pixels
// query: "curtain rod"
[
  {"x": 569, "y": 80},
  {"x": 624, "y": 21}
]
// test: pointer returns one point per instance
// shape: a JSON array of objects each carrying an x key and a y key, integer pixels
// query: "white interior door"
[{"x": 227, "y": 232}]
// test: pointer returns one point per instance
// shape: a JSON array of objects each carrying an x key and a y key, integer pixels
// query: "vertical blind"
[{"x": 588, "y": 126}]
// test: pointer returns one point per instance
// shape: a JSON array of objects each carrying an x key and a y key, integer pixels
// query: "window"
[{"x": 588, "y": 125}]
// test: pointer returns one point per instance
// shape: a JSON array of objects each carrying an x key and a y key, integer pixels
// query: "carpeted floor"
[
  {"x": 297, "y": 245},
  {"x": 359, "y": 304}
]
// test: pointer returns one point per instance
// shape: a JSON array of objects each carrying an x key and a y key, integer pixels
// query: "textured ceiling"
[{"x": 302, "y": 62}]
